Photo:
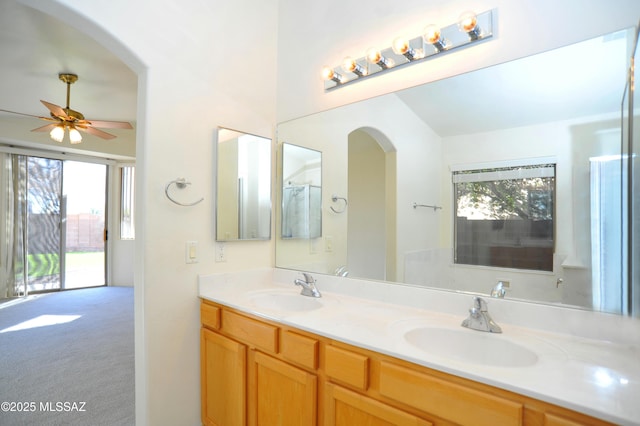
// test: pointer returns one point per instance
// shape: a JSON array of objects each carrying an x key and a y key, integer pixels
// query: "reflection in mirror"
[
  {"x": 243, "y": 187},
  {"x": 301, "y": 192},
  {"x": 504, "y": 216},
  {"x": 557, "y": 112}
]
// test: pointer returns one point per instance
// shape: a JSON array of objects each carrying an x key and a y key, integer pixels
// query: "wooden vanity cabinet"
[
  {"x": 347, "y": 408},
  {"x": 255, "y": 373},
  {"x": 223, "y": 366},
  {"x": 281, "y": 394},
  {"x": 259, "y": 372}
]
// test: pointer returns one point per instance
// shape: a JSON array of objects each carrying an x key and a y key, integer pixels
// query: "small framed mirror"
[
  {"x": 301, "y": 192},
  {"x": 243, "y": 186}
]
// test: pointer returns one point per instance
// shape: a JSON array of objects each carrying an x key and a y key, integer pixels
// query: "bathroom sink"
[
  {"x": 284, "y": 300},
  {"x": 471, "y": 346}
]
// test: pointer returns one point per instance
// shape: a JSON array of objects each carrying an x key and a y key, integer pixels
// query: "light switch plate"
[{"x": 191, "y": 252}]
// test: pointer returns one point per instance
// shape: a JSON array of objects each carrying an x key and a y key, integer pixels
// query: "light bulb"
[
  {"x": 402, "y": 47},
  {"x": 74, "y": 136},
  {"x": 330, "y": 74},
  {"x": 327, "y": 73},
  {"x": 350, "y": 65},
  {"x": 468, "y": 22},
  {"x": 375, "y": 57},
  {"x": 57, "y": 133},
  {"x": 433, "y": 35}
]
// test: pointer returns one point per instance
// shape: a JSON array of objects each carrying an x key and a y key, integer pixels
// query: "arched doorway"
[
  {"x": 63, "y": 21},
  {"x": 371, "y": 229}
]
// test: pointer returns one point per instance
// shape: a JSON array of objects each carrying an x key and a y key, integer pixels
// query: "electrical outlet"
[
  {"x": 191, "y": 252},
  {"x": 221, "y": 253}
]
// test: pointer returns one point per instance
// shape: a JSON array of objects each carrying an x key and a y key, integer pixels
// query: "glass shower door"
[
  {"x": 631, "y": 185},
  {"x": 633, "y": 169},
  {"x": 43, "y": 243}
]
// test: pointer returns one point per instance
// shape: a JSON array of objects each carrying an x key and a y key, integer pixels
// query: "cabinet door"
[
  {"x": 346, "y": 408},
  {"x": 223, "y": 366},
  {"x": 281, "y": 393}
]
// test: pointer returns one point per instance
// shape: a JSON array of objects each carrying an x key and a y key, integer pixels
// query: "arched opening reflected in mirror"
[{"x": 371, "y": 225}]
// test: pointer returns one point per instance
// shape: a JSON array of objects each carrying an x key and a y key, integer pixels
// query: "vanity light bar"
[{"x": 469, "y": 29}]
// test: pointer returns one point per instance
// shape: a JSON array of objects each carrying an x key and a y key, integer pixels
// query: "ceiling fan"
[{"x": 66, "y": 119}]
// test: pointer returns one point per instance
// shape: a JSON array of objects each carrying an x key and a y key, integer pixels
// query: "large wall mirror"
[
  {"x": 510, "y": 174},
  {"x": 243, "y": 186}
]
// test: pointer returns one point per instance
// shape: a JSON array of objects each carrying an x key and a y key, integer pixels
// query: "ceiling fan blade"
[
  {"x": 45, "y": 128},
  {"x": 55, "y": 109},
  {"x": 95, "y": 132},
  {"x": 28, "y": 115},
  {"x": 110, "y": 124}
]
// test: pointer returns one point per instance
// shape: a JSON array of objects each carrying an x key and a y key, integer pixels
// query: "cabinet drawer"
[
  {"x": 447, "y": 400},
  {"x": 347, "y": 367},
  {"x": 210, "y": 315},
  {"x": 299, "y": 349},
  {"x": 256, "y": 333},
  {"x": 553, "y": 420}
]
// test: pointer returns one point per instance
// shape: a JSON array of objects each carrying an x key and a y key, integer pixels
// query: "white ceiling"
[
  {"x": 580, "y": 80},
  {"x": 35, "y": 48}
]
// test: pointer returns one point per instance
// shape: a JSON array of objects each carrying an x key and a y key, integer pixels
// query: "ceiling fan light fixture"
[
  {"x": 63, "y": 119},
  {"x": 74, "y": 136},
  {"x": 57, "y": 133}
]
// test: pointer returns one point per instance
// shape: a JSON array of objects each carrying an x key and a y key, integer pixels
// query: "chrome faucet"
[
  {"x": 308, "y": 286},
  {"x": 498, "y": 290},
  {"x": 479, "y": 318}
]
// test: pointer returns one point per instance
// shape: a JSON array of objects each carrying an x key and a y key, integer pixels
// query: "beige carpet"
[{"x": 67, "y": 359}]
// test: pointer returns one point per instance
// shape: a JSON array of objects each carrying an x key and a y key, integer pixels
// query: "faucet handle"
[
  {"x": 308, "y": 278},
  {"x": 479, "y": 304}
]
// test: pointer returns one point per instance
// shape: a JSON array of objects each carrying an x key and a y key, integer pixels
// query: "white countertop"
[{"x": 586, "y": 361}]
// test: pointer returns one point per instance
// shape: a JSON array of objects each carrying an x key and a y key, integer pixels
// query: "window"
[
  {"x": 505, "y": 217},
  {"x": 127, "y": 195}
]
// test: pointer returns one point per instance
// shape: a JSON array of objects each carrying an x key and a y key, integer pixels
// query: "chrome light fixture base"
[{"x": 452, "y": 37}]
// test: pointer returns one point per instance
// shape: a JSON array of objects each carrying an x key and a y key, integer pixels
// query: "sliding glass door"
[
  {"x": 54, "y": 233},
  {"x": 44, "y": 241},
  {"x": 84, "y": 191}
]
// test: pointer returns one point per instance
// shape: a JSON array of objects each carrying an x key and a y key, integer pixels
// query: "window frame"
[{"x": 545, "y": 167}]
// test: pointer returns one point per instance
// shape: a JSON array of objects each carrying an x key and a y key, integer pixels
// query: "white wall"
[
  {"x": 196, "y": 63},
  {"x": 333, "y": 29},
  {"x": 190, "y": 71}
]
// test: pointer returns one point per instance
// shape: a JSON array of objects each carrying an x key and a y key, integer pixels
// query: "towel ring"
[
  {"x": 180, "y": 183},
  {"x": 335, "y": 199}
]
